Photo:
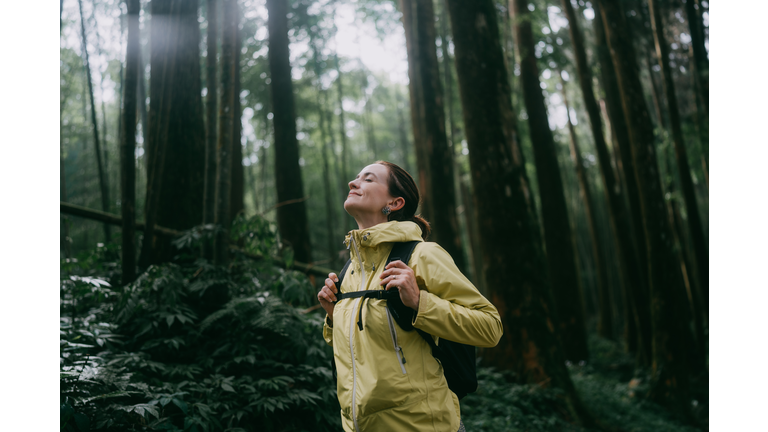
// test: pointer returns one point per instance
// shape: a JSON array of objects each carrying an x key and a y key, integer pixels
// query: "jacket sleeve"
[
  {"x": 327, "y": 331},
  {"x": 450, "y": 307}
]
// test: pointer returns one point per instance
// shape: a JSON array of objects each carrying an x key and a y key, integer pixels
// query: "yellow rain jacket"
[{"x": 388, "y": 379}]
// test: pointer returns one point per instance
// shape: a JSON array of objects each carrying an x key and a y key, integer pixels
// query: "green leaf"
[
  {"x": 181, "y": 404},
  {"x": 227, "y": 387},
  {"x": 82, "y": 422}
]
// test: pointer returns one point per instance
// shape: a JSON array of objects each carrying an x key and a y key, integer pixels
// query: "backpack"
[{"x": 458, "y": 359}]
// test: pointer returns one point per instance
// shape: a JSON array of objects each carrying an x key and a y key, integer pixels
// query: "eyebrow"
[{"x": 367, "y": 174}]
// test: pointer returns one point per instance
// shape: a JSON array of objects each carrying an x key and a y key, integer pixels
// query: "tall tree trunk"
[
  {"x": 226, "y": 125},
  {"x": 428, "y": 116},
  {"x": 700, "y": 245},
  {"x": 404, "y": 144},
  {"x": 128, "y": 144},
  {"x": 347, "y": 222},
  {"x": 670, "y": 381},
  {"x": 291, "y": 218},
  {"x": 176, "y": 146},
  {"x": 618, "y": 215},
  {"x": 660, "y": 120},
  {"x": 65, "y": 245},
  {"x": 558, "y": 237},
  {"x": 447, "y": 76},
  {"x": 142, "y": 102},
  {"x": 370, "y": 136},
  {"x": 696, "y": 347},
  {"x": 604, "y": 310},
  {"x": 513, "y": 260},
  {"x": 104, "y": 140},
  {"x": 211, "y": 99},
  {"x": 330, "y": 207},
  {"x": 638, "y": 324},
  {"x": 701, "y": 60},
  {"x": 96, "y": 143},
  {"x": 237, "y": 203}
]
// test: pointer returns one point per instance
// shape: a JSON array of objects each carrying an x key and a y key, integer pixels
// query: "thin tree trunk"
[
  {"x": 558, "y": 237},
  {"x": 638, "y": 324},
  {"x": 347, "y": 222},
  {"x": 700, "y": 58},
  {"x": 618, "y": 215},
  {"x": 163, "y": 56},
  {"x": 237, "y": 205},
  {"x": 428, "y": 115},
  {"x": 447, "y": 76},
  {"x": 604, "y": 315},
  {"x": 128, "y": 144},
  {"x": 370, "y": 136},
  {"x": 333, "y": 241},
  {"x": 513, "y": 261},
  {"x": 661, "y": 122},
  {"x": 224, "y": 145},
  {"x": 264, "y": 164},
  {"x": 696, "y": 228},
  {"x": 702, "y": 124},
  {"x": 670, "y": 380},
  {"x": 176, "y": 128},
  {"x": 142, "y": 102},
  {"x": 104, "y": 140},
  {"x": 96, "y": 143},
  {"x": 291, "y": 219},
  {"x": 211, "y": 99},
  {"x": 697, "y": 346},
  {"x": 404, "y": 144},
  {"x": 63, "y": 193}
]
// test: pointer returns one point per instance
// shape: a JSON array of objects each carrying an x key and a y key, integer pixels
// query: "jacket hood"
[{"x": 387, "y": 232}]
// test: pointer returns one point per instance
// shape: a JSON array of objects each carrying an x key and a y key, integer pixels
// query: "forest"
[{"x": 561, "y": 148}]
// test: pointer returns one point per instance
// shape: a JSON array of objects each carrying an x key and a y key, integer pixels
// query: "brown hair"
[{"x": 401, "y": 184}]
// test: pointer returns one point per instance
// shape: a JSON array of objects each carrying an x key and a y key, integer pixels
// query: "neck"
[{"x": 367, "y": 221}]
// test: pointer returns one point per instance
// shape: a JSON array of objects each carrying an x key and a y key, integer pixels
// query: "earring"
[{"x": 386, "y": 211}]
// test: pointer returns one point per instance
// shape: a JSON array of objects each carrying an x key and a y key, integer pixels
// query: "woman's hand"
[
  {"x": 327, "y": 295},
  {"x": 398, "y": 275}
]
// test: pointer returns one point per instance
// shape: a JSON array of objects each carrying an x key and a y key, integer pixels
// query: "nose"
[{"x": 352, "y": 184}]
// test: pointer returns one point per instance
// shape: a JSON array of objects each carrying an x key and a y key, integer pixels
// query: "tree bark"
[
  {"x": 237, "y": 203},
  {"x": 513, "y": 261},
  {"x": 128, "y": 144},
  {"x": 670, "y": 380},
  {"x": 226, "y": 124},
  {"x": 696, "y": 228},
  {"x": 176, "y": 146},
  {"x": 291, "y": 219},
  {"x": 211, "y": 99},
  {"x": 604, "y": 310},
  {"x": 370, "y": 136},
  {"x": 433, "y": 152},
  {"x": 347, "y": 222},
  {"x": 96, "y": 143},
  {"x": 701, "y": 60},
  {"x": 325, "y": 146},
  {"x": 404, "y": 144},
  {"x": 558, "y": 237},
  {"x": 638, "y": 324},
  {"x": 618, "y": 215}
]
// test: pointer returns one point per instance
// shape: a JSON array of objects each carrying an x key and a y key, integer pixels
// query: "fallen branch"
[{"x": 84, "y": 212}]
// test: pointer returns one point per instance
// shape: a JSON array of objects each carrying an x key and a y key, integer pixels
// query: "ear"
[{"x": 396, "y": 204}]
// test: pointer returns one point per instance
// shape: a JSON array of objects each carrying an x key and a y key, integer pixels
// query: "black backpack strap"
[
  {"x": 402, "y": 314},
  {"x": 341, "y": 275}
]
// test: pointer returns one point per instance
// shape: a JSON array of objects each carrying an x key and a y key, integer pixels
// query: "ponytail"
[
  {"x": 401, "y": 184},
  {"x": 424, "y": 225}
]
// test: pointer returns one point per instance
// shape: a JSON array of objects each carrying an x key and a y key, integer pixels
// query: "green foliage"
[
  {"x": 193, "y": 347},
  {"x": 610, "y": 387}
]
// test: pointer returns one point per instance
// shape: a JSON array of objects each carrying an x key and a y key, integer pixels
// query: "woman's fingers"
[{"x": 327, "y": 294}]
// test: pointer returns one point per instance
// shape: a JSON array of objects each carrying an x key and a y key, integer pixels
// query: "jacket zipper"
[
  {"x": 352, "y": 331},
  {"x": 398, "y": 351}
]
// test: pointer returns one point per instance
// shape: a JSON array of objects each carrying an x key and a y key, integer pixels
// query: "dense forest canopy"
[{"x": 561, "y": 148}]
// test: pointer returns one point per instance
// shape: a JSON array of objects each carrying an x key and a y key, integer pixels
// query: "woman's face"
[{"x": 369, "y": 191}]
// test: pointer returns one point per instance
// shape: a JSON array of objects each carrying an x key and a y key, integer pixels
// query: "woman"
[{"x": 378, "y": 389}]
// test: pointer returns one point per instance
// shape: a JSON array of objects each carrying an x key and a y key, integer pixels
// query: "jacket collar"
[{"x": 387, "y": 232}]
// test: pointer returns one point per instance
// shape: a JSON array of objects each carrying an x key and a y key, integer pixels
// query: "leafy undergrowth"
[
  {"x": 609, "y": 386},
  {"x": 192, "y": 347}
]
